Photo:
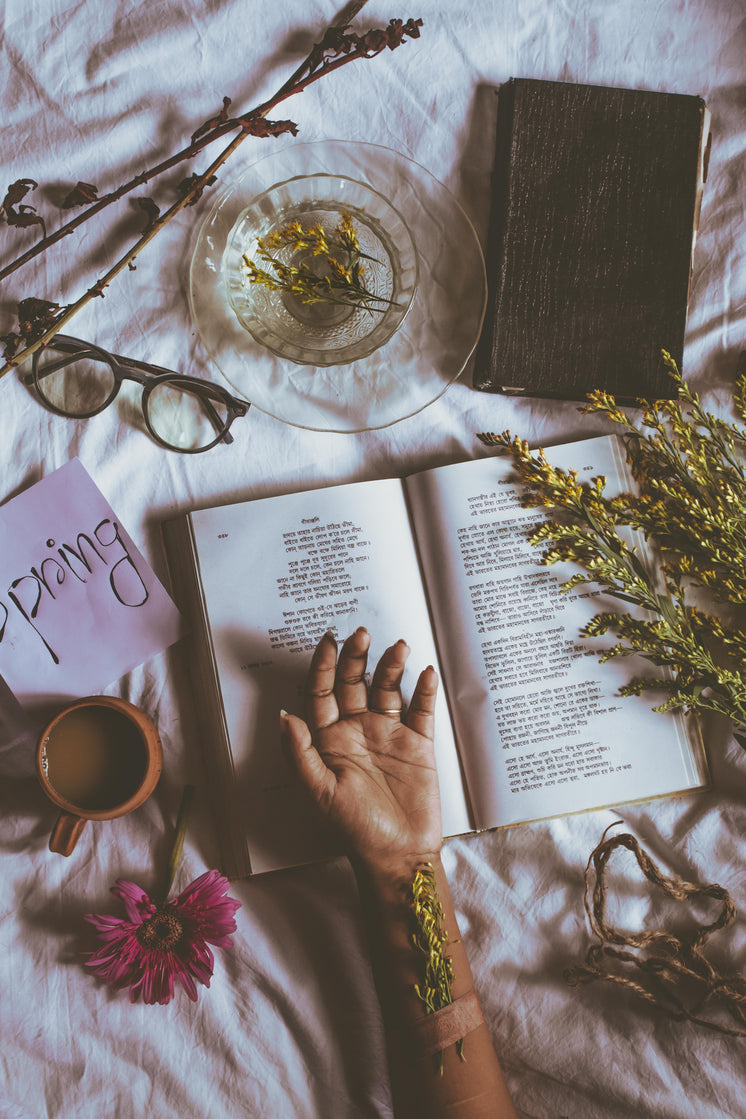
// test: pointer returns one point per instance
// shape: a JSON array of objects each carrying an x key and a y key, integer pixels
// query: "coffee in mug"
[{"x": 98, "y": 759}]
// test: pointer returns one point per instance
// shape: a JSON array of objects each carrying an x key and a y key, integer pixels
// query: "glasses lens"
[
  {"x": 184, "y": 419},
  {"x": 77, "y": 386}
]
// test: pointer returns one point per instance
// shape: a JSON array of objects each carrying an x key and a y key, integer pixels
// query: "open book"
[{"x": 528, "y": 725}]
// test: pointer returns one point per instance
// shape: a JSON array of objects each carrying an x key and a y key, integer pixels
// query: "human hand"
[{"x": 372, "y": 775}]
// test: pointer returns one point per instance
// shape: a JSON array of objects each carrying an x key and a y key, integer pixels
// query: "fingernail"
[
  {"x": 331, "y": 636},
  {"x": 401, "y": 641},
  {"x": 361, "y": 629},
  {"x": 283, "y": 714}
]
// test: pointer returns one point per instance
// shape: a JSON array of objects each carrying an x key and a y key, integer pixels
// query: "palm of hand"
[
  {"x": 371, "y": 774},
  {"x": 385, "y": 798}
]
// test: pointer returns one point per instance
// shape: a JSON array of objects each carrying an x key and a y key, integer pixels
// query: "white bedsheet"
[{"x": 290, "y": 1027}]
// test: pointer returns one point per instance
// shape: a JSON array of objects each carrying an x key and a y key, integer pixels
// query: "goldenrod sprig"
[
  {"x": 430, "y": 940},
  {"x": 691, "y": 497},
  {"x": 333, "y": 272},
  {"x": 692, "y": 487}
]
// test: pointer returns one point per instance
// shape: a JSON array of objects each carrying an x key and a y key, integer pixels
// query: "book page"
[
  {"x": 540, "y": 725},
  {"x": 276, "y": 574}
]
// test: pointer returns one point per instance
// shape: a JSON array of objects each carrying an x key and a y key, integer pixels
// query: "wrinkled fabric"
[{"x": 290, "y": 1028}]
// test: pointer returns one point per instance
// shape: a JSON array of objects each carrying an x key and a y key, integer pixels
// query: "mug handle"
[{"x": 66, "y": 833}]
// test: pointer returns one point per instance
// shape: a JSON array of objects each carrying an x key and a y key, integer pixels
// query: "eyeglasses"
[{"x": 77, "y": 379}]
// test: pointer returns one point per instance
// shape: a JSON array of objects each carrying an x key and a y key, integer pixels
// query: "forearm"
[{"x": 473, "y": 1088}]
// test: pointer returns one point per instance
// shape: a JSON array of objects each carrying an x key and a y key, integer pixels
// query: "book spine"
[
  {"x": 202, "y": 696},
  {"x": 703, "y": 162},
  {"x": 485, "y": 372}
]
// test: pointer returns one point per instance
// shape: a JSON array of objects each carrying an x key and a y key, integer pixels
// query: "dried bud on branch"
[
  {"x": 35, "y": 316},
  {"x": 193, "y": 187},
  {"x": 213, "y": 122},
  {"x": 82, "y": 194},
  {"x": 18, "y": 213},
  {"x": 262, "y": 128},
  {"x": 151, "y": 211}
]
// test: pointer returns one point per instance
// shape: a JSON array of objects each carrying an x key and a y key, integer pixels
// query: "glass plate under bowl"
[{"x": 424, "y": 355}]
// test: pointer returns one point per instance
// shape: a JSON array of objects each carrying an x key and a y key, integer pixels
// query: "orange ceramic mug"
[{"x": 98, "y": 759}]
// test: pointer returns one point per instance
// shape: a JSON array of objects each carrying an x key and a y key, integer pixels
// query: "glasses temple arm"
[{"x": 38, "y": 374}]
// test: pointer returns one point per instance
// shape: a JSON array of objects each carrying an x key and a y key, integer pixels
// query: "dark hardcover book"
[{"x": 596, "y": 197}]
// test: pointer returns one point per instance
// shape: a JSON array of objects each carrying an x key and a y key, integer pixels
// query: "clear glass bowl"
[
  {"x": 322, "y": 333},
  {"x": 423, "y": 356}
]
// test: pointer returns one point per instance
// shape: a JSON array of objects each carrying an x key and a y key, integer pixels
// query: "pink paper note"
[{"x": 79, "y": 606}]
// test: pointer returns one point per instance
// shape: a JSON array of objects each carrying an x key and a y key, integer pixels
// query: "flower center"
[{"x": 163, "y": 930}]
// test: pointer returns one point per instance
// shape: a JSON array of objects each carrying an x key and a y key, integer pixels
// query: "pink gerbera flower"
[{"x": 156, "y": 944}]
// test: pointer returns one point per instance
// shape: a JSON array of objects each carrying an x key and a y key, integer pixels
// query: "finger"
[
  {"x": 321, "y": 703},
  {"x": 421, "y": 713},
  {"x": 385, "y": 689},
  {"x": 350, "y": 688},
  {"x": 310, "y": 767}
]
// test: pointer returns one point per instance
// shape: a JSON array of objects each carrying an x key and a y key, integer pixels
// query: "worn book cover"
[{"x": 595, "y": 202}]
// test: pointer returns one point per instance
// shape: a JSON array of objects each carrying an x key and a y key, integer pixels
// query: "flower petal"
[
  {"x": 136, "y": 902},
  {"x": 157, "y": 982},
  {"x": 206, "y": 890},
  {"x": 184, "y": 977},
  {"x": 205, "y": 904},
  {"x": 104, "y": 924}
]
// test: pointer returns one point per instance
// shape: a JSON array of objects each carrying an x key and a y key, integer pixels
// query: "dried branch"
[{"x": 337, "y": 48}]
